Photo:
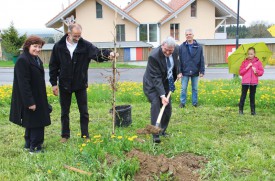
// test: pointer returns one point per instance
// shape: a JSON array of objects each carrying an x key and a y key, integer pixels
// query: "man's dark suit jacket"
[{"x": 155, "y": 82}]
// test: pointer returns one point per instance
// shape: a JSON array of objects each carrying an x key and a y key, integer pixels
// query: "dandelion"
[
  {"x": 83, "y": 145},
  {"x": 131, "y": 139},
  {"x": 49, "y": 171},
  {"x": 78, "y": 134},
  {"x": 119, "y": 137},
  {"x": 113, "y": 136},
  {"x": 84, "y": 136},
  {"x": 97, "y": 136}
]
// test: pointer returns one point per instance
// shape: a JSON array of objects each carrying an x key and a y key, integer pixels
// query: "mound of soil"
[
  {"x": 182, "y": 167},
  {"x": 150, "y": 129}
]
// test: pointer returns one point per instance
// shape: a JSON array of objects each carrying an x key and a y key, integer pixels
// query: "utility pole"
[
  {"x": 238, "y": 22},
  {"x": 237, "y": 31}
]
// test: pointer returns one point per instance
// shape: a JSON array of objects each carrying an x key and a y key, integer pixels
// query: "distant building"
[{"x": 150, "y": 21}]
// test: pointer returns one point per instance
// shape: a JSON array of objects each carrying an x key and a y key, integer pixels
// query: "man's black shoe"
[
  {"x": 195, "y": 105},
  {"x": 156, "y": 140},
  {"x": 181, "y": 105}
]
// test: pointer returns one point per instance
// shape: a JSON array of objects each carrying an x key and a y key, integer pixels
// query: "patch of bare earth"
[{"x": 183, "y": 167}]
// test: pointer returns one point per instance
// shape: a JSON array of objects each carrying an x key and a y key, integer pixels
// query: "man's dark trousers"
[
  {"x": 65, "y": 102},
  {"x": 156, "y": 105}
]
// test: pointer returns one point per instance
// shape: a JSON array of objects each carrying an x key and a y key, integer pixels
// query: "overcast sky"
[{"x": 30, "y": 14}]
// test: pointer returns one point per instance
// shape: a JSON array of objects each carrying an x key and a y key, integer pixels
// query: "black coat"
[
  {"x": 72, "y": 73},
  {"x": 155, "y": 82},
  {"x": 29, "y": 88}
]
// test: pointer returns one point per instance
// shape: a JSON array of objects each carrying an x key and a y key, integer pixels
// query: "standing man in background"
[
  {"x": 68, "y": 66},
  {"x": 191, "y": 67}
]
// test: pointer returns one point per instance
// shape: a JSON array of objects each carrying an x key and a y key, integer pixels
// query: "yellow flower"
[
  {"x": 130, "y": 138},
  {"x": 80, "y": 149},
  {"x": 84, "y": 136},
  {"x": 78, "y": 134},
  {"x": 119, "y": 137},
  {"x": 134, "y": 137},
  {"x": 97, "y": 136},
  {"x": 83, "y": 145},
  {"x": 78, "y": 164},
  {"x": 113, "y": 136},
  {"x": 49, "y": 171}
]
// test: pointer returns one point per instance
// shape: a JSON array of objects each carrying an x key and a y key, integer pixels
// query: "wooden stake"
[{"x": 77, "y": 170}]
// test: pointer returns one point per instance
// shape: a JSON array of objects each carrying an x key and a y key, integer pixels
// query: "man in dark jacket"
[
  {"x": 68, "y": 66},
  {"x": 191, "y": 66},
  {"x": 162, "y": 66}
]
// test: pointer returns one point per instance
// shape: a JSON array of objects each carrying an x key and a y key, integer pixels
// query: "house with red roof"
[{"x": 150, "y": 21}]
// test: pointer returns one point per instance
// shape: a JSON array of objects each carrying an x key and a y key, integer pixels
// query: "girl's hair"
[
  {"x": 32, "y": 40},
  {"x": 251, "y": 48}
]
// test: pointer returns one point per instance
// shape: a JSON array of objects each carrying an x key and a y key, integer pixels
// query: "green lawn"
[
  {"x": 92, "y": 65},
  {"x": 237, "y": 147},
  {"x": 6, "y": 63}
]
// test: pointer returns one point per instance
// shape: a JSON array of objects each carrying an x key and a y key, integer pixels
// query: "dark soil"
[
  {"x": 183, "y": 167},
  {"x": 150, "y": 129}
]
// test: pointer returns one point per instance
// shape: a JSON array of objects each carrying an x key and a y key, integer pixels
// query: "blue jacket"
[{"x": 191, "y": 64}]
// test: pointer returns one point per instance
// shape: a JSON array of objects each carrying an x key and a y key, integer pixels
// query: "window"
[
  {"x": 148, "y": 32},
  {"x": 98, "y": 10},
  {"x": 194, "y": 9},
  {"x": 174, "y": 31},
  {"x": 153, "y": 34},
  {"x": 143, "y": 32},
  {"x": 120, "y": 32}
]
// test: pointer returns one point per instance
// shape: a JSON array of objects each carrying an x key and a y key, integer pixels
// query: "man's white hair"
[
  {"x": 169, "y": 41},
  {"x": 189, "y": 30}
]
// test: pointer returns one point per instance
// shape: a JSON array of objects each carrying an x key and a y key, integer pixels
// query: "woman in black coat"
[{"x": 29, "y": 103}]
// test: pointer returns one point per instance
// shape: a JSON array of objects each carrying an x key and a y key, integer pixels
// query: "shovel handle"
[
  {"x": 162, "y": 110},
  {"x": 163, "y": 107}
]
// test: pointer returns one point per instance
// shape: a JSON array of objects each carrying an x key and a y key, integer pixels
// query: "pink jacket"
[{"x": 249, "y": 77}]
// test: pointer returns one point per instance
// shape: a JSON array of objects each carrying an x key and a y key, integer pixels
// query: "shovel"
[{"x": 150, "y": 129}]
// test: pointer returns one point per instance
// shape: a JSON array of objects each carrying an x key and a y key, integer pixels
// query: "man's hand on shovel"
[{"x": 165, "y": 100}]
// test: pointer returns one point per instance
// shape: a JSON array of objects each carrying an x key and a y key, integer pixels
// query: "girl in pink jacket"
[{"x": 250, "y": 70}]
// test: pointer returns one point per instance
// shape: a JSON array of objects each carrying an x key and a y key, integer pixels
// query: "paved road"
[{"x": 135, "y": 75}]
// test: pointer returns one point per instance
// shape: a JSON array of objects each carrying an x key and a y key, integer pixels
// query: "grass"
[
  {"x": 237, "y": 147},
  {"x": 6, "y": 63},
  {"x": 92, "y": 65}
]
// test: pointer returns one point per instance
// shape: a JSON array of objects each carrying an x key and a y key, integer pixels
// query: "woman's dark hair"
[
  {"x": 32, "y": 40},
  {"x": 251, "y": 48}
]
